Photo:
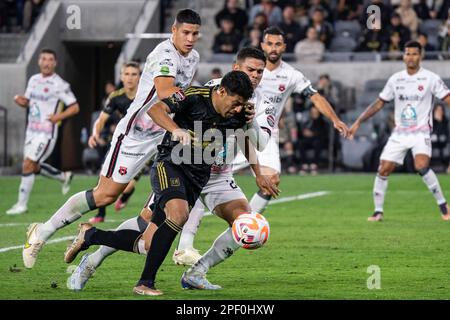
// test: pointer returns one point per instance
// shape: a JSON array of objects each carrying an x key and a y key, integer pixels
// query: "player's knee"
[
  {"x": 103, "y": 198},
  {"x": 385, "y": 170},
  {"x": 422, "y": 169},
  {"x": 29, "y": 166}
]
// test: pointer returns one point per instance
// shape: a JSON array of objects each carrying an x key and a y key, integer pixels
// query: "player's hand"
[
  {"x": 21, "y": 100},
  {"x": 353, "y": 129},
  {"x": 93, "y": 141},
  {"x": 181, "y": 135},
  {"x": 266, "y": 186},
  {"x": 54, "y": 118},
  {"x": 249, "y": 111},
  {"x": 342, "y": 128}
]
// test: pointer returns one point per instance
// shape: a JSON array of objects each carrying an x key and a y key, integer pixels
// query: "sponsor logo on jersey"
[
  {"x": 270, "y": 111},
  {"x": 166, "y": 62},
  {"x": 281, "y": 87},
  {"x": 414, "y": 97},
  {"x": 271, "y": 120},
  {"x": 123, "y": 170},
  {"x": 275, "y": 99},
  {"x": 281, "y": 77},
  {"x": 164, "y": 70}
]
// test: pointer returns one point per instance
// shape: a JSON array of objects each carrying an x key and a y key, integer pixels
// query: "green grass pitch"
[{"x": 319, "y": 248}]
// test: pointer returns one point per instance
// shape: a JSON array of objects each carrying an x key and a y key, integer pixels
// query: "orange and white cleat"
[{"x": 377, "y": 216}]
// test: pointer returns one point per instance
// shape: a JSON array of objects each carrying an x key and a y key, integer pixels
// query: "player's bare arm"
[
  {"x": 21, "y": 101},
  {"x": 327, "y": 110},
  {"x": 371, "y": 110},
  {"x": 97, "y": 128},
  {"x": 69, "y": 112},
  {"x": 165, "y": 87}
]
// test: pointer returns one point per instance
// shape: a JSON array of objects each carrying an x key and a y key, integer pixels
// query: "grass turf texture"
[{"x": 319, "y": 248}]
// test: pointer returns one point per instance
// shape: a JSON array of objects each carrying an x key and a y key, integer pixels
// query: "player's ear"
[
  {"x": 235, "y": 66},
  {"x": 221, "y": 91}
]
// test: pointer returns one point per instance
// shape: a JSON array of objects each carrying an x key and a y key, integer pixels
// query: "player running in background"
[
  {"x": 278, "y": 83},
  {"x": 169, "y": 67},
  {"x": 45, "y": 96},
  {"x": 412, "y": 90},
  {"x": 117, "y": 106}
]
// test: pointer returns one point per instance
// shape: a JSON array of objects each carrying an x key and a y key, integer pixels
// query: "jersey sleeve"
[
  {"x": 66, "y": 95},
  {"x": 301, "y": 82},
  {"x": 164, "y": 65},
  {"x": 28, "y": 90},
  {"x": 387, "y": 94},
  {"x": 178, "y": 101},
  {"x": 110, "y": 105},
  {"x": 439, "y": 89}
]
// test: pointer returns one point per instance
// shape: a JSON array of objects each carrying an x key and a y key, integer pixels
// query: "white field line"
[{"x": 281, "y": 200}]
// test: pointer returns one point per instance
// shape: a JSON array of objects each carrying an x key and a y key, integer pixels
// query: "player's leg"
[
  {"x": 422, "y": 165},
  {"x": 260, "y": 200},
  {"x": 380, "y": 187},
  {"x": 185, "y": 254},
  {"x": 53, "y": 173},
  {"x": 126, "y": 194},
  {"x": 99, "y": 217}
]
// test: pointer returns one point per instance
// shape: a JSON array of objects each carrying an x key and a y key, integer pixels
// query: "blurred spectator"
[
  {"x": 329, "y": 91},
  {"x": 291, "y": 28},
  {"x": 109, "y": 88},
  {"x": 31, "y": 9},
  {"x": 260, "y": 22},
  {"x": 301, "y": 16},
  {"x": 288, "y": 138},
  {"x": 310, "y": 49},
  {"x": 422, "y": 10},
  {"x": 216, "y": 73},
  {"x": 324, "y": 28},
  {"x": 232, "y": 10},
  {"x": 440, "y": 133},
  {"x": 444, "y": 37},
  {"x": 422, "y": 38},
  {"x": 432, "y": 9},
  {"x": 270, "y": 9},
  {"x": 371, "y": 41},
  {"x": 348, "y": 9},
  {"x": 323, "y": 5},
  {"x": 313, "y": 136},
  {"x": 408, "y": 17},
  {"x": 393, "y": 47},
  {"x": 252, "y": 40},
  {"x": 227, "y": 40},
  {"x": 385, "y": 10},
  {"x": 396, "y": 26}
]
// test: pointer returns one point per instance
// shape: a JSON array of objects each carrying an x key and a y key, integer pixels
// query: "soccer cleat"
[
  {"x": 196, "y": 280},
  {"x": 68, "y": 176},
  {"x": 377, "y": 216},
  {"x": 186, "y": 257},
  {"x": 146, "y": 291},
  {"x": 17, "y": 209},
  {"x": 83, "y": 272},
  {"x": 96, "y": 219},
  {"x": 77, "y": 244},
  {"x": 32, "y": 246},
  {"x": 119, "y": 205}
]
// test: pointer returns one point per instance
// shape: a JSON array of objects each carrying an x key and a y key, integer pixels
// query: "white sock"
[
  {"x": 191, "y": 226},
  {"x": 223, "y": 247},
  {"x": 26, "y": 186},
  {"x": 379, "y": 192},
  {"x": 259, "y": 202},
  {"x": 72, "y": 210},
  {"x": 433, "y": 185},
  {"x": 51, "y": 172}
]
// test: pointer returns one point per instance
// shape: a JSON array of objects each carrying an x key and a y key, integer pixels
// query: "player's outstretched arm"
[
  {"x": 327, "y": 110},
  {"x": 72, "y": 110},
  {"x": 97, "y": 128},
  {"x": 165, "y": 87},
  {"x": 371, "y": 110},
  {"x": 21, "y": 101}
]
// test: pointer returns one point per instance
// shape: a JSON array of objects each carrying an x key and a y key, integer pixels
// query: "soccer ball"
[{"x": 250, "y": 230}]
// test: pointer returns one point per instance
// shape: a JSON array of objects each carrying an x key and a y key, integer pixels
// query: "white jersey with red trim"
[
  {"x": 413, "y": 99},
  {"x": 45, "y": 95},
  {"x": 277, "y": 86},
  {"x": 163, "y": 61}
]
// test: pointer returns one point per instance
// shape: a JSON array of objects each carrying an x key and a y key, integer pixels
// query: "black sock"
[
  {"x": 120, "y": 239},
  {"x": 126, "y": 196},
  {"x": 160, "y": 246},
  {"x": 101, "y": 212}
]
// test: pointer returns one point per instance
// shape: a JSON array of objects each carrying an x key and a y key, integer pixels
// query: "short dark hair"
[
  {"x": 413, "y": 44},
  {"x": 274, "y": 30},
  {"x": 237, "y": 83},
  {"x": 188, "y": 16},
  {"x": 49, "y": 51},
  {"x": 250, "y": 52}
]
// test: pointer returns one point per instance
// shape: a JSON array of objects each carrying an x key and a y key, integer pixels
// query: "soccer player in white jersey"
[
  {"x": 279, "y": 81},
  {"x": 45, "y": 94},
  {"x": 169, "y": 67},
  {"x": 412, "y": 90}
]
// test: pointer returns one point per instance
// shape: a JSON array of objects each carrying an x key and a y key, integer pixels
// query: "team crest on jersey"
[
  {"x": 281, "y": 87},
  {"x": 271, "y": 120},
  {"x": 420, "y": 87},
  {"x": 175, "y": 182},
  {"x": 123, "y": 170}
]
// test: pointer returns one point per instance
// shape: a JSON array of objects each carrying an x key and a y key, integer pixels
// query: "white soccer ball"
[{"x": 250, "y": 230}]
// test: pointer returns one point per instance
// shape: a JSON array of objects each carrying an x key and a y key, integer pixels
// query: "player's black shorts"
[{"x": 169, "y": 182}]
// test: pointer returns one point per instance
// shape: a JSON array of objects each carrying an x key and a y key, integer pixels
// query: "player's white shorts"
[
  {"x": 38, "y": 147},
  {"x": 399, "y": 143},
  {"x": 127, "y": 156},
  {"x": 220, "y": 189},
  {"x": 269, "y": 157}
]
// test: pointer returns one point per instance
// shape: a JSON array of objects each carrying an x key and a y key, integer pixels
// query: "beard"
[{"x": 274, "y": 59}]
